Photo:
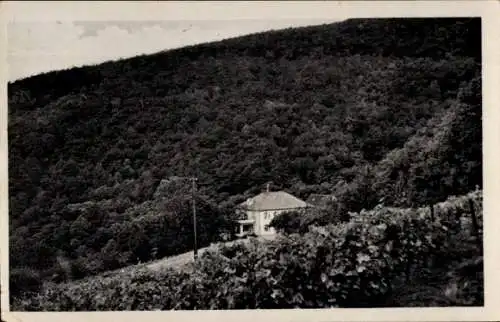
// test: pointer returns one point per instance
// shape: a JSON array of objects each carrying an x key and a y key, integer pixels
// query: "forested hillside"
[{"x": 373, "y": 111}]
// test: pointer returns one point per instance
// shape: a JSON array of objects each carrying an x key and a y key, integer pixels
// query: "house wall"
[
  {"x": 254, "y": 215},
  {"x": 264, "y": 218}
]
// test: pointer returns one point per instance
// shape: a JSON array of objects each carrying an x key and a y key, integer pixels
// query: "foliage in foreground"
[{"x": 354, "y": 264}]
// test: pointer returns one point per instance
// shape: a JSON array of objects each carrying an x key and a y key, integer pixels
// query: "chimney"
[{"x": 267, "y": 187}]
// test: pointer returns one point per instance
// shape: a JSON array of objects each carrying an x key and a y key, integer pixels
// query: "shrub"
[{"x": 23, "y": 280}]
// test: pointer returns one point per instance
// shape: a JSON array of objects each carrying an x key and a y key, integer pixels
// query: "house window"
[{"x": 269, "y": 215}]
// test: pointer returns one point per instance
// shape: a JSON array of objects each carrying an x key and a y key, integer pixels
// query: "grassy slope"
[{"x": 177, "y": 262}]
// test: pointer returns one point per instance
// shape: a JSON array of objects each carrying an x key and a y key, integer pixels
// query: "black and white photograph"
[{"x": 245, "y": 164}]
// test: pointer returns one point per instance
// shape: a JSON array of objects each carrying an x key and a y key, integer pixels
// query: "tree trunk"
[{"x": 475, "y": 224}]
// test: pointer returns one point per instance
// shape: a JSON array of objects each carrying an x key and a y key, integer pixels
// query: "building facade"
[{"x": 260, "y": 210}]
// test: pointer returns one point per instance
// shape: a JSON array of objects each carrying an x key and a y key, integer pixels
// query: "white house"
[{"x": 261, "y": 209}]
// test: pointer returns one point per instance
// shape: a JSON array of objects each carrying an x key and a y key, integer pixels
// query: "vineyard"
[{"x": 429, "y": 256}]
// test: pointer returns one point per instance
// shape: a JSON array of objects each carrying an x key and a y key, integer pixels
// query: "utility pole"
[
  {"x": 195, "y": 244},
  {"x": 193, "y": 202}
]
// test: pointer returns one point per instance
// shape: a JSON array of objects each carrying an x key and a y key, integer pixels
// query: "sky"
[{"x": 37, "y": 47}]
